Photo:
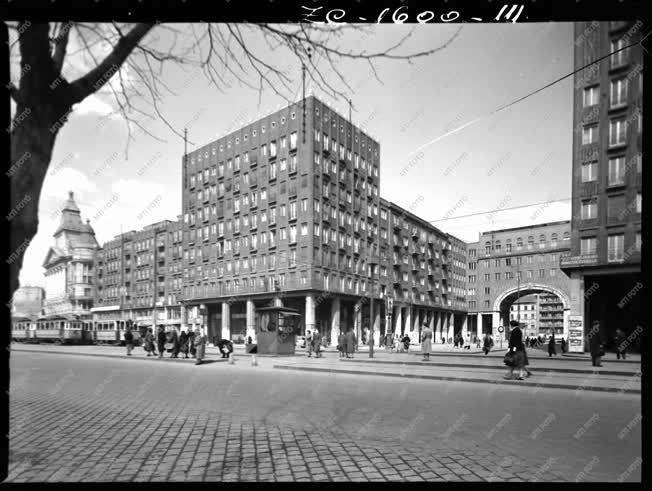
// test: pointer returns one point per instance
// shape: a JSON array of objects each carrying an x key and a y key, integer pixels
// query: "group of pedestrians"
[
  {"x": 313, "y": 343},
  {"x": 347, "y": 343},
  {"x": 193, "y": 342}
]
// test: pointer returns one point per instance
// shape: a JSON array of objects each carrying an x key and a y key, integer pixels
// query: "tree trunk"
[{"x": 32, "y": 142}]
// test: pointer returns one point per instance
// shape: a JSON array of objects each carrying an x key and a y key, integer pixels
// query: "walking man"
[
  {"x": 161, "y": 339},
  {"x": 129, "y": 341},
  {"x": 552, "y": 349},
  {"x": 621, "y": 346},
  {"x": 316, "y": 341},
  {"x": 595, "y": 344}
]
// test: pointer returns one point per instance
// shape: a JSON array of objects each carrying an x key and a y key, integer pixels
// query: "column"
[
  {"x": 226, "y": 320},
  {"x": 450, "y": 319},
  {"x": 438, "y": 335},
  {"x": 417, "y": 321},
  {"x": 357, "y": 322},
  {"x": 335, "y": 320},
  {"x": 310, "y": 312},
  {"x": 478, "y": 326},
  {"x": 184, "y": 318},
  {"x": 251, "y": 321},
  {"x": 465, "y": 331},
  {"x": 397, "y": 320},
  {"x": 408, "y": 321},
  {"x": 495, "y": 320},
  {"x": 376, "y": 324},
  {"x": 578, "y": 296}
]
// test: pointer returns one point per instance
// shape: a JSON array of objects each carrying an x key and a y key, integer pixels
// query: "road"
[{"x": 78, "y": 418}]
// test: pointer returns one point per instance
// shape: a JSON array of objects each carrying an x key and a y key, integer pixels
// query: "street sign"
[
  {"x": 501, "y": 329},
  {"x": 576, "y": 334}
]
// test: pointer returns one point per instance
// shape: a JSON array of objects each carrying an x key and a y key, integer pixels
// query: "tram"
[
  {"x": 113, "y": 332},
  {"x": 60, "y": 330},
  {"x": 23, "y": 329}
]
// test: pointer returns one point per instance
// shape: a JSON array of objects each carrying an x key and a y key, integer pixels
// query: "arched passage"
[{"x": 548, "y": 309}]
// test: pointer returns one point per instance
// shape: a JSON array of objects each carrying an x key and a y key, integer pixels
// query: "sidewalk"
[{"x": 546, "y": 373}]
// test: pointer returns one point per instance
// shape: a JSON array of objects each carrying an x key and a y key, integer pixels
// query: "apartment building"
[
  {"x": 605, "y": 261},
  {"x": 287, "y": 210},
  {"x": 508, "y": 264},
  {"x": 139, "y": 276}
]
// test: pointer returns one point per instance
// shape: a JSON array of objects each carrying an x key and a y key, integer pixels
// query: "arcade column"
[
  {"x": 310, "y": 312},
  {"x": 335, "y": 320},
  {"x": 376, "y": 323},
  {"x": 495, "y": 321},
  {"x": 478, "y": 326},
  {"x": 226, "y": 320},
  {"x": 251, "y": 321},
  {"x": 408, "y": 321},
  {"x": 397, "y": 320},
  {"x": 184, "y": 318}
]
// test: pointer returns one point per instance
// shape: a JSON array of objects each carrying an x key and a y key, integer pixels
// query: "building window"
[
  {"x": 487, "y": 290},
  {"x": 618, "y": 92},
  {"x": 530, "y": 273},
  {"x": 542, "y": 273},
  {"x": 589, "y": 171},
  {"x": 498, "y": 263},
  {"x": 589, "y": 209},
  {"x": 617, "y": 132},
  {"x": 588, "y": 245},
  {"x": 530, "y": 242},
  {"x": 639, "y": 202},
  {"x": 619, "y": 58},
  {"x": 293, "y": 140},
  {"x": 616, "y": 171},
  {"x": 497, "y": 276},
  {"x": 553, "y": 272},
  {"x": 616, "y": 207},
  {"x": 591, "y": 96},
  {"x": 519, "y": 244},
  {"x": 637, "y": 243},
  {"x": 615, "y": 248},
  {"x": 487, "y": 277},
  {"x": 589, "y": 134}
]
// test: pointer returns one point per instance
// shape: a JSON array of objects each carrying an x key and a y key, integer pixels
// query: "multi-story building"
[
  {"x": 139, "y": 276},
  {"x": 605, "y": 261},
  {"x": 551, "y": 314},
  {"x": 508, "y": 264},
  {"x": 291, "y": 204},
  {"x": 424, "y": 272},
  {"x": 525, "y": 311},
  {"x": 69, "y": 285}
]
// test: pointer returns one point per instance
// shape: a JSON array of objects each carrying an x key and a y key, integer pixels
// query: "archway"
[{"x": 549, "y": 305}]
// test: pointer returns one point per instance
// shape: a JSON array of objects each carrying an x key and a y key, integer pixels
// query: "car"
[{"x": 301, "y": 342}]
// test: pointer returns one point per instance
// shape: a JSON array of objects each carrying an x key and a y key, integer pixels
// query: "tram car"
[
  {"x": 23, "y": 329},
  {"x": 60, "y": 330},
  {"x": 113, "y": 332}
]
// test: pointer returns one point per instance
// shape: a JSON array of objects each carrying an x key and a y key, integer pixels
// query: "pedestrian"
[
  {"x": 192, "y": 349},
  {"x": 517, "y": 349},
  {"x": 552, "y": 349},
  {"x": 621, "y": 344},
  {"x": 149, "y": 343},
  {"x": 426, "y": 342},
  {"x": 309, "y": 343},
  {"x": 563, "y": 345},
  {"x": 406, "y": 343},
  {"x": 183, "y": 344},
  {"x": 341, "y": 344},
  {"x": 316, "y": 341},
  {"x": 129, "y": 340},
  {"x": 487, "y": 344},
  {"x": 200, "y": 344},
  {"x": 226, "y": 347},
  {"x": 596, "y": 346},
  {"x": 350, "y": 342},
  {"x": 389, "y": 344},
  {"x": 174, "y": 339},
  {"x": 161, "y": 341}
]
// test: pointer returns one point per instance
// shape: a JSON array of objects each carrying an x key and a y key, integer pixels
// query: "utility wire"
[
  {"x": 469, "y": 123},
  {"x": 502, "y": 209}
]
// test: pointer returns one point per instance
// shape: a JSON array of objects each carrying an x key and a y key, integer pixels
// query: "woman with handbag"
[{"x": 515, "y": 357}]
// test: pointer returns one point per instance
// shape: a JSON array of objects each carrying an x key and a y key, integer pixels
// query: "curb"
[
  {"x": 467, "y": 365},
  {"x": 125, "y": 357},
  {"x": 457, "y": 379}
]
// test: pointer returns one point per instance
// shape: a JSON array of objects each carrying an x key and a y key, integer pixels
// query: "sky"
[{"x": 433, "y": 162}]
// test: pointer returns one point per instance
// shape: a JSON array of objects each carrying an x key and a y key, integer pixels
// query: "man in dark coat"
[
  {"x": 350, "y": 341},
  {"x": 595, "y": 344},
  {"x": 487, "y": 344},
  {"x": 174, "y": 339},
  {"x": 226, "y": 347},
  {"x": 552, "y": 349},
  {"x": 316, "y": 343},
  {"x": 183, "y": 344},
  {"x": 161, "y": 339},
  {"x": 129, "y": 341},
  {"x": 621, "y": 345}
]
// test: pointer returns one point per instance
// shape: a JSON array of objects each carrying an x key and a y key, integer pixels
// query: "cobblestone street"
[{"x": 98, "y": 419}]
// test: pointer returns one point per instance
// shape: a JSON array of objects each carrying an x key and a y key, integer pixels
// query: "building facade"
[
  {"x": 139, "y": 277},
  {"x": 505, "y": 265},
  {"x": 604, "y": 266},
  {"x": 69, "y": 273},
  {"x": 287, "y": 210},
  {"x": 525, "y": 310}
]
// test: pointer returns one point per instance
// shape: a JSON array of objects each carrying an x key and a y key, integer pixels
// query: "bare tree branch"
[{"x": 60, "y": 45}]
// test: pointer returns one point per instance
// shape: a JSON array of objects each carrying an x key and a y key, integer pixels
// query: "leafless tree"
[{"x": 130, "y": 64}]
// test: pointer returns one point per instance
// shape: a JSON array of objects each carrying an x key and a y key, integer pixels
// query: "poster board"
[{"x": 575, "y": 334}]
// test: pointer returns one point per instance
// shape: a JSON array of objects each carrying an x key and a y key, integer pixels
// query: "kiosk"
[{"x": 276, "y": 330}]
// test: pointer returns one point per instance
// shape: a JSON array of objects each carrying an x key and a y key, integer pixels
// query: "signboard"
[
  {"x": 576, "y": 334},
  {"x": 583, "y": 260}
]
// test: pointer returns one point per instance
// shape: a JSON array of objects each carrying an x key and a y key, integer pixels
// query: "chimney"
[{"x": 70, "y": 194}]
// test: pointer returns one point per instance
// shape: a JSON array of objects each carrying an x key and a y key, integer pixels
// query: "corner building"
[
  {"x": 604, "y": 265},
  {"x": 287, "y": 211}
]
